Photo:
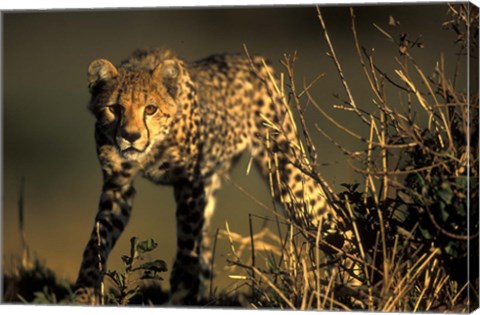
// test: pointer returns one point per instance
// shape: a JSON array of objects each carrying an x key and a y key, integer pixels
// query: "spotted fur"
[{"x": 184, "y": 125}]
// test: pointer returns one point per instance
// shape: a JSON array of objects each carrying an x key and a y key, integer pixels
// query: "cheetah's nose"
[{"x": 129, "y": 136}]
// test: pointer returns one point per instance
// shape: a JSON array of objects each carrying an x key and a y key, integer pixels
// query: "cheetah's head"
[{"x": 134, "y": 109}]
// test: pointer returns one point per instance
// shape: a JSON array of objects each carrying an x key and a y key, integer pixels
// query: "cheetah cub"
[{"x": 183, "y": 124}]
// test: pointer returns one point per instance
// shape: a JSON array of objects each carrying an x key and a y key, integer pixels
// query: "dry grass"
[{"x": 409, "y": 220}]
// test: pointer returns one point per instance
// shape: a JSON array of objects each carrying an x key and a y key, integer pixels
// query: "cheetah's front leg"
[
  {"x": 186, "y": 279},
  {"x": 113, "y": 214}
]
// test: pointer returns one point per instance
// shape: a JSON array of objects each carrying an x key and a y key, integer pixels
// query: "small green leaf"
[
  {"x": 405, "y": 198},
  {"x": 444, "y": 213},
  {"x": 111, "y": 274},
  {"x": 461, "y": 181},
  {"x": 451, "y": 249},
  {"x": 445, "y": 193},
  {"x": 420, "y": 179},
  {"x": 111, "y": 298},
  {"x": 155, "y": 266},
  {"x": 119, "y": 279},
  {"x": 147, "y": 275},
  {"x": 426, "y": 234},
  {"x": 129, "y": 296},
  {"x": 126, "y": 260},
  {"x": 150, "y": 275},
  {"x": 146, "y": 246}
]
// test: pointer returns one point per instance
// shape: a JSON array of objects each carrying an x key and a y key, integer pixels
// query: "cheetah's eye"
[
  {"x": 115, "y": 109},
  {"x": 150, "y": 109}
]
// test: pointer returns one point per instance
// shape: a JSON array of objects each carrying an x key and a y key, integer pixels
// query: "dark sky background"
[{"x": 48, "y": 132}]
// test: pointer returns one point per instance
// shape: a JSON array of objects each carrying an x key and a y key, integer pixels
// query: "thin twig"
[{"x": 339, "y": 68}]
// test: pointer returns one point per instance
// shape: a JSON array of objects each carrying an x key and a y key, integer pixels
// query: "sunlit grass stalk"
[{"x": 21, "y": 224}]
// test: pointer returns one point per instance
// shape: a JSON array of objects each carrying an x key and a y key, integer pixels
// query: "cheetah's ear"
[
  {"x": 167, "y": 72},
  {"x": 100, "y": 71}
]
